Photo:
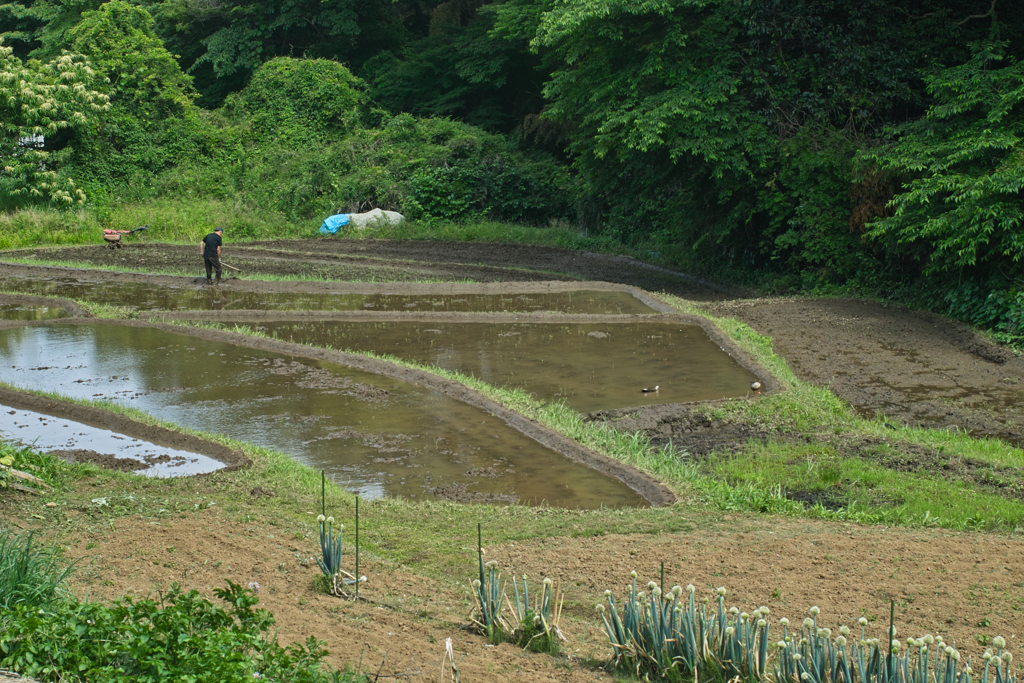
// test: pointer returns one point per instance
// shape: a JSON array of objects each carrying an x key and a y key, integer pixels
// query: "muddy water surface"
[
  {"x": 373, "y": 434},
  {"x": 83, "y": 442},
  {"x": 29, "y": 312},
  {"x": 593, "y": 366},
  {"x": 151, "y": 297}
]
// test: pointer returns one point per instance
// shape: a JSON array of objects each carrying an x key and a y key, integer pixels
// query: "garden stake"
[
  {"x": 323, "y": 505},
  {"x": 891, "y": 668},
  {"x": 663, "y": 577},
  {"x": 357, "y": 546},
  {"x": 480, "y": 550}
]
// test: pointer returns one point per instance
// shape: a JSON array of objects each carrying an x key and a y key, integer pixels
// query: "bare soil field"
[
  {"x": 948, "y": 583},
  {"x": 913, "y": 367},
  {"x": 389, "y": 261}
]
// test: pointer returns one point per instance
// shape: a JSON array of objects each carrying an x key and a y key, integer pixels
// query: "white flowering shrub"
[{"x": 40, "y": 99}]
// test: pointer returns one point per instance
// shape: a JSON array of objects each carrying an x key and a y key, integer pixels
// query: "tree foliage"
[
  {"x": 962, "y": 205},
  {"x": 300, "y": 101},
  {"x": 39, "y": 100},
  {"x": 807, "y": 143}
]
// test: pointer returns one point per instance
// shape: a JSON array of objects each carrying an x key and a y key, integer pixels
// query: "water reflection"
[
  {"x": 371, "y": 433},
  {"x": 153, "y": 297},
  {"x": 592, "y": 366}
]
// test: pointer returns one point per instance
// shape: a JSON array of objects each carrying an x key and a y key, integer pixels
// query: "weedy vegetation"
[
  {"x": 31, "y": 574},
  {"x": 181, "y": 636}
]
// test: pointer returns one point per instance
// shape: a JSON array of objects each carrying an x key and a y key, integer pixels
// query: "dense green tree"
[
  {"x": 729, "y": 127},
  {"x": 152, "y": 123},
  {"x": 466, "y": 67},
  {"x": 41, "y": 25},
  {"x": 962, "y": 205},
  {"x": 38, "y": 101},
  {"x": 300, "y": 101}
]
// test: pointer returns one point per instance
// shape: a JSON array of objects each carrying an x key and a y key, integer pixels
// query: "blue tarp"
[{"x": 333, "y": 223}]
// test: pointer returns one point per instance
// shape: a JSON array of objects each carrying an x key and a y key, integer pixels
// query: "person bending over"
[{"x": 210, "y": 250}]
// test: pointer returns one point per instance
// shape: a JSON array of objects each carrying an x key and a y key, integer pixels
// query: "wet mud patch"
[
  {"x": 915, "y": 368},
  {"x": 103, "y": 460},
  {"x": 177, "y": 294},
  {"x": 121, "y": 424},
  {"x": 458, "y": 493},
  {"x": 112, "y": 462},
  {"x": 229, "y": 393},
  {"x": 590, "y": 362},
  {"x": 325, "y": 382},
  {"x": 583, "y": 265},
  {"x": 686, "y": 426},
  {"x": 28, "y": 307},
  {"x": 394, "y": 261}
]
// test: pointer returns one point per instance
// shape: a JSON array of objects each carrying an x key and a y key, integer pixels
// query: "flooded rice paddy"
[
  {"x": 373, "y": 434},
  {"x": 30, "y": 312},
  {"x": 144, "y": 296},
  {"x": 73, "y": 440},
  {"x": 592, "y": 366}
]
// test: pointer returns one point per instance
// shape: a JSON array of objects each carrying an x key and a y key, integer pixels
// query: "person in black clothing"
[{"x": 210, "y": 250}]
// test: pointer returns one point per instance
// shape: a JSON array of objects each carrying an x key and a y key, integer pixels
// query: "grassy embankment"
[
  {"x": 185, "y": 222},
  {"x": 759, "y": 477}
]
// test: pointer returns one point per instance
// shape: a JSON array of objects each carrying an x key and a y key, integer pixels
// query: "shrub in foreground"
[{"x": 181, "y": 637}]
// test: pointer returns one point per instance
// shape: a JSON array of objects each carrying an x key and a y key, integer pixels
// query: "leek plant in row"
[
  {"x": 532, "y": 625},
  {"x": 487, "y": 593},
  {"x": 535, "y": 626},
  {"x": 330, "y": 547},
  {"x": 671, "y": 637},
  {"x": 813, "y": 656}
]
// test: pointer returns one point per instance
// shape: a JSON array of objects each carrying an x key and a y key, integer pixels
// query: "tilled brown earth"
[
  {"x": 389, "y": 261},
  {"x": 961, "y": 586},
  {"x": 914, "y": 368}
]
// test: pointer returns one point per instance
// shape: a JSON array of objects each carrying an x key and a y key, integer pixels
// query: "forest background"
[{"x": 871, "y": 147}]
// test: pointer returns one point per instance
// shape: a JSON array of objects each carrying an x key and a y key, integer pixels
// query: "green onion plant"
[
  {"x": 488, "y": 593},
  {"x": 671, "y": 637},
  {"x": 535, "y": 626}
]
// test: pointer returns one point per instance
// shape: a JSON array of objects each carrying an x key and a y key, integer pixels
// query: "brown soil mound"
[{"x": 71, "y": 307}]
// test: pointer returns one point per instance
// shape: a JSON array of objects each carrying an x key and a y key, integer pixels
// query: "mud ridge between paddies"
[{"x": 122, "y": 424}]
